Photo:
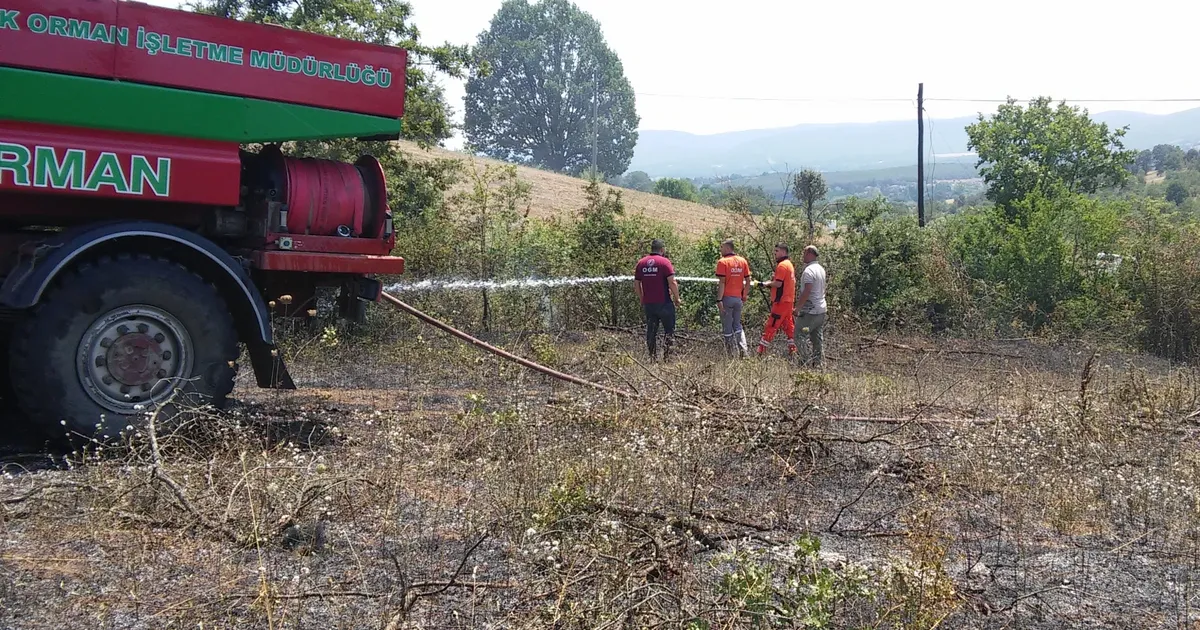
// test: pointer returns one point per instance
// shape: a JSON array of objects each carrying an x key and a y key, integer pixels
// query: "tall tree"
[
  {"x": 497, "y": 202},
  {"x": 810, "y": 189},
  {"x": 1177, "y": 193},
  {"x": 1047, "y": 149},
  {"x": 548, "y": 86},
  {"x": 1144, "y": 162},
  {"x": 427, "y": 115},
  {"x": 1167, "y": 157}
]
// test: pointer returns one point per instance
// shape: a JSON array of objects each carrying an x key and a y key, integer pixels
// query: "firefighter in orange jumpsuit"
[{"x": 783, "y": 298}]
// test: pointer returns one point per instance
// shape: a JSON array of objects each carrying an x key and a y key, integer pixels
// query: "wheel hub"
[
  {"x": 134, "y": 359},
  {"x": 132, "y": 356}
]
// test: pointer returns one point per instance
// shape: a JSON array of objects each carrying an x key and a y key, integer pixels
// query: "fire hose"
[{"x": 483, "y": 345}]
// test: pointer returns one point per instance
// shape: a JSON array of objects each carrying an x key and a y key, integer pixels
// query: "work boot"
[
  {"x": 792, "y": 349},
  {"x": 762, "y": 349}
]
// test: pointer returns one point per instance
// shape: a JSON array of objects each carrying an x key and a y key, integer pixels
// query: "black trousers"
[{"x": 663, "y": 313}]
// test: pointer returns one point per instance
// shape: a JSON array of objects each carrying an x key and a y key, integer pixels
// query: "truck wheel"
[{"x": 119, "y": 338}]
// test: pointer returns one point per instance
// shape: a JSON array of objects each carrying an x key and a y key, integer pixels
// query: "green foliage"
[
  {"x": 426, "y": 116},
  {"x": 805, "y": 594},
  {"x": 1167, "y": 157},
  {"x": 1162, "y": 273},
  {"x": 491, "y": 222},
  {"x": 548, "y": 82},
  {"x": 1028, "y": 270},
  {"x": 1045, "y": 151},
  {"x": 885, "y": 269},
  {"x": 1116, "y": 265},
  {"x": 676, "y": 189},
  {"x": 607, "y": 242},
  {"x": 599, "y": 235},
  {"x": 545, "y": 351},
  {"x": 1144, "y": 162},
  {"x": 1024, "y": 265},
  {"x": 1177, "y": 193},
  {"x": 810, "y": 189},
  {"x": 564, "y": 500},
  {"x": 634, "y": 180},
  {"x": 753, "y": 199}
]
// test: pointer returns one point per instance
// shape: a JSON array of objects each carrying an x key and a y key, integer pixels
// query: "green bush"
[
  {"x": 1162, "y": 277},
  {"x": 676, "y": 189},
  {"x": 1037, "y": 256},
  {"x": 880, "y": 265}
]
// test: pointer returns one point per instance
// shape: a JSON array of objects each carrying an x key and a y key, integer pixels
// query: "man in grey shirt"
[{"x": 811, "y": 310}]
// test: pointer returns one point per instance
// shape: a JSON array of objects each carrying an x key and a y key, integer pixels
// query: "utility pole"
[
  {"x": 921, "y": 154},
  {"x": 595, "y": 127}
]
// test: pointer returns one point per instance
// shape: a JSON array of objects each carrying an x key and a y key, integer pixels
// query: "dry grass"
[
  {"x": 424, "y": 485},
  {"x": 558, "y": 195}
]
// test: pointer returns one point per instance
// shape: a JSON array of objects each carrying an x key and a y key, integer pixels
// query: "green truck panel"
[{"x": 56, "y": 99}]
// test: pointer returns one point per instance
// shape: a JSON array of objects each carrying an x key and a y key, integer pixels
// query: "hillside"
[
  {"x": 953, "y": 169},
  {"x": 858, "y": 146},
  {"x": 555, "y": 194}
]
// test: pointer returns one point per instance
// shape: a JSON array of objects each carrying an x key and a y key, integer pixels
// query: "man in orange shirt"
[
  {"x": 783, "y": 298},
  {"x": 733, "y": 283}
]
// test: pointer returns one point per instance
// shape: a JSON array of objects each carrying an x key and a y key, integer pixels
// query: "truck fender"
[{"x": 40, "y": 265}]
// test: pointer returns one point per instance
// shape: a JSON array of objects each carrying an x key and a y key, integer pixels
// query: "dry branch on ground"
[{"x": 917, "y": 492}]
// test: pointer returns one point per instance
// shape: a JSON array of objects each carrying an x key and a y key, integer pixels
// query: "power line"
[
  {"x": 706, "y": 97},
  {"x": 1071, "y": 100},
  {"x": 701, "y": 97}
]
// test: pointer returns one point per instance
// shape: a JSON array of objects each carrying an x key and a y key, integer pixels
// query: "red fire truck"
[{"x": 140, "y": 245}]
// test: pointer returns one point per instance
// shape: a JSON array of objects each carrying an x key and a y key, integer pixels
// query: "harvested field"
[
  {"x": 558, "y": 195},
  {"x": 416, "y": 483}
]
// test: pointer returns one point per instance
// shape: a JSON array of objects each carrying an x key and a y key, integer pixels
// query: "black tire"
[{"x": 114, "y": 339}]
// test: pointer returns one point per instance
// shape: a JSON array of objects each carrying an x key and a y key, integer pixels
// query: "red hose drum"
[{"x": 322, "y": 196}]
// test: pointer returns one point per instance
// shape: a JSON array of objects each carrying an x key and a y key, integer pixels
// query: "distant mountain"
[{"x": 858, "y": 146}]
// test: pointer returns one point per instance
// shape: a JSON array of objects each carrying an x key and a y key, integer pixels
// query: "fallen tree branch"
[
  {"x": 897, "y": 420},
  {"x": 1021, "y": 598},
  {"x": 677, "y": 523},
  {"x": 730, "y": 521},
  {"x": 370, "y": 594},
  {"x": 870, "y": 342},
  {"x": 43, "y": 488}
]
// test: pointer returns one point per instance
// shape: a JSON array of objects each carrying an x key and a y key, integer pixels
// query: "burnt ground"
[{"x": 418, "y": 483}]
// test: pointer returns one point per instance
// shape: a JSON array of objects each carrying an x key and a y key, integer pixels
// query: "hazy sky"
[{"x": 686, "y": 58}]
